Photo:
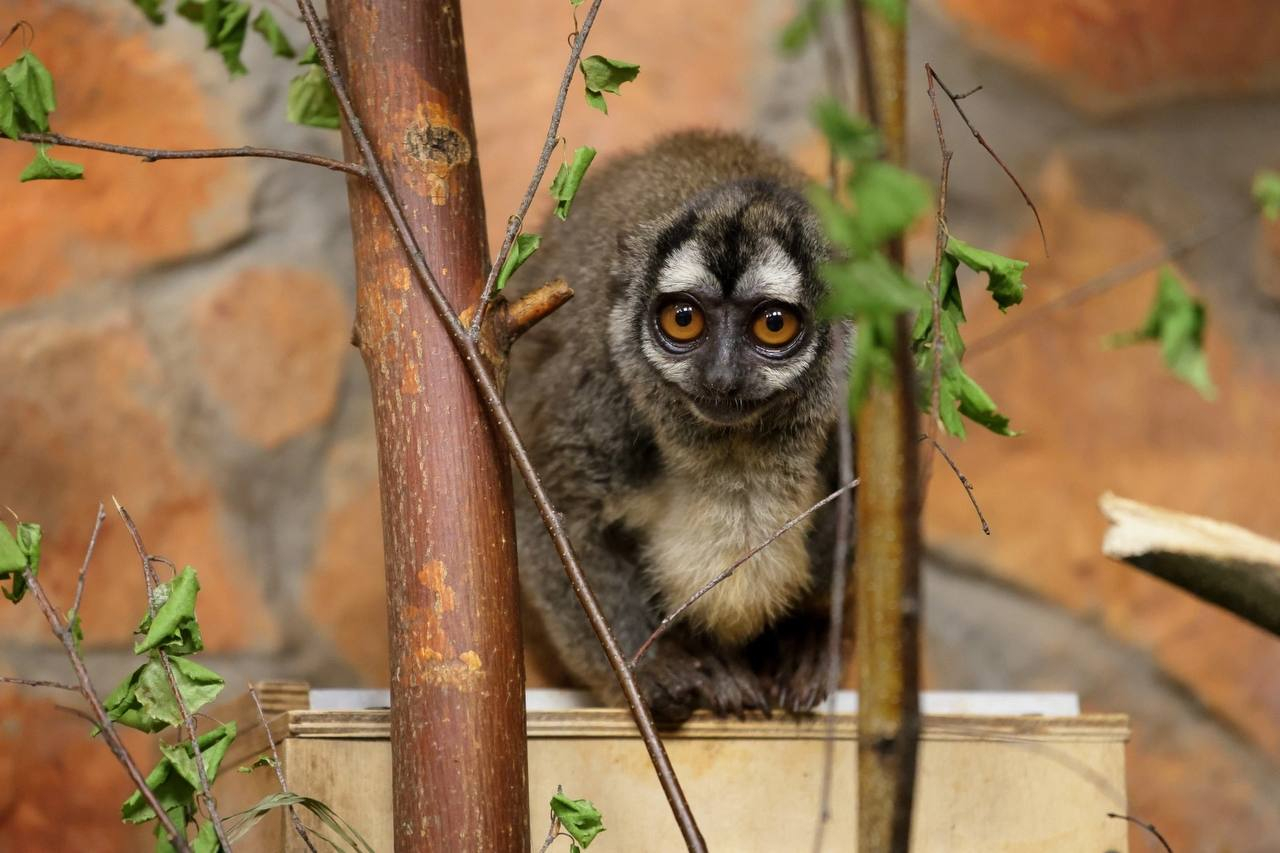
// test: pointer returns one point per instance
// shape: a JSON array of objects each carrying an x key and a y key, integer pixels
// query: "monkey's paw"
[
  {"x": 794, "y": 659},
  {"x": 676, "y": 681}
]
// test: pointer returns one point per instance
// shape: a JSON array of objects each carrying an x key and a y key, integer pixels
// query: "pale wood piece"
[
  {"x": 986, "y": 785},
  {"x": 1221, "y": 563}
]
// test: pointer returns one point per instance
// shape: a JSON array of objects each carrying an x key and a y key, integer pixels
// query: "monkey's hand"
[
  {"x": 677, "y": 680},
  {"x": 793, "y": 659}
]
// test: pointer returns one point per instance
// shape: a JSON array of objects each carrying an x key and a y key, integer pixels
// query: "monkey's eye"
[
  {"x": 681, "y": 322},
  {"x": 775, "y": 326}
]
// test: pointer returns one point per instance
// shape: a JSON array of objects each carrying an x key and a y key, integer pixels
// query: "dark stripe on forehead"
[{"x": 725, "y": 246}]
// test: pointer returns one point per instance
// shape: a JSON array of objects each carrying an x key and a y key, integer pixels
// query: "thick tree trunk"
[{"x": 457, "y": 674}]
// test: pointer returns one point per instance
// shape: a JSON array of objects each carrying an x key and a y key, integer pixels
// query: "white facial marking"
[
  {"x": 684, "y": 269},
  {"x": 771, "y": 275}
]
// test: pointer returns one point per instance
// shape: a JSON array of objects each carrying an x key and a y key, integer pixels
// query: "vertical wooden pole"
[
  {"x": 457, "y": 673},
  {"x": 888, "y": 544}
]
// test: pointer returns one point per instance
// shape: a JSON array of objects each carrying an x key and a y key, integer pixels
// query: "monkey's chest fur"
[{"x": 698, "y": 519}]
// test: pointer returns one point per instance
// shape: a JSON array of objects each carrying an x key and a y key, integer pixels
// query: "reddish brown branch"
[
  {"x": 279, "y": 768},
  {"x": 955, "y": 102},
  {"x": 206, "y": 791},
  {"x": 1149, "y": 827},
  {"x": 84, "y": 566},
  {"x": 151, "y": 155},
  {"x": 516, "y": 222},
  {"x": 665, "y": 624},
  {"x": 491, "y": 395},
  {"x": 35, "y": 682},
  {"x": 940, "y": 245}
]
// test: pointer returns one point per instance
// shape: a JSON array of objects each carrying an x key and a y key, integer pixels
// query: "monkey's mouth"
[{"x": 727, "y": 411}]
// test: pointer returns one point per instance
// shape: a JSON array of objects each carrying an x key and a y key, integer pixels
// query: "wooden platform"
[{"x": 1027, "y": 784}]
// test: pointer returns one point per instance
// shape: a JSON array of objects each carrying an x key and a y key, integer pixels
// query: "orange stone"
[
  {"x": 1108, "y": 55},
  {"x": 126, "y": 215},
  {"x": 271, "y": 343}
]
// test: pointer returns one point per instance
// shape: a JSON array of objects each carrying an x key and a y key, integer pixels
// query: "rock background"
[{"x": 177, "y": 335}]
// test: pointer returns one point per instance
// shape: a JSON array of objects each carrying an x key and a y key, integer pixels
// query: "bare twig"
[
  {"x": 964, "y": 481},
  {"x": 552, "y": 832},
  {"x": 151, "y": 155},
  {"x": 28, "y": 33},
  {"x": 940, "y": 246},
  {"x": 491, "y": 396},
  {"x": 955, "y": 102},
  {"x": 206, "y": 791},
  {"x": 665, "y": 624},
  {"x": 516, "y": 222},
  {"x": 279, "y": 767},
  {"x": 1099, "y": 284},
  {"x": 35, "y": 682},
  {"x": 840, "y": 570},
  {"x": 1149, "y": 827},
  {"x": 84, "y": 566},
  {"x": 109, "y": 734}
]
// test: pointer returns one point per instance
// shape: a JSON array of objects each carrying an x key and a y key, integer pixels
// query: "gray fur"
[{"x": 619, "y": 427}]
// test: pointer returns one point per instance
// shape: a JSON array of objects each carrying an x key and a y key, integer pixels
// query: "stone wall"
[{"x": 176, "y": 335}]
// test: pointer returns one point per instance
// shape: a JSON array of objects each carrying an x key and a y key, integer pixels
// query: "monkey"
[{"x": 680, "y": 409}]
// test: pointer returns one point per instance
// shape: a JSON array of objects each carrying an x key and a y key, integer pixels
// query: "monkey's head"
[{"x": 716, "y": 326}]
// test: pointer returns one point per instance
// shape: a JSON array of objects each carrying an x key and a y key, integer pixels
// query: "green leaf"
[
  {"x": 886, "y": 200},
  {"x": 311, "y": 100},
  {"x": 153, "y": 9},
  {"x": 206, "y": 839},
  {"x": 12, "y": 560},
  {"x": 567, "y": 180},
  {"x": 174, "y": 627},
  {"x": 246, "y": 820},
  {"x": 76, "y": 628},
  {"x": 602, "y": 74},
  {"x": 145, "y": 699},
  {"x": 267, "y": 27},
  {"x": 225, "y": 24},
  {"x": 263, "y": 760},
  {"x": 521, "y": 251},
  {"x": 9, "y": 124},
  {"x": 870, "y": 286},
  {"x": 575, "y": 2},
  {"x": 579, "y": 818},
  {"x": 46, "y": 168},
  {"x": 1004, "y": 275},
  {"x": 853, "y": 138},
  {"x": 175, "y": 784},
  {"x": 799, "y": 31},
  {"x": 1177, "y": 321},
  {"x": 893, "y": 11},
  {"x": 32, "y": 89},
  {"x": 17, "y": 555},
  {"x": 1266, "y": 192},
  {"x": 310, "y": 56}
]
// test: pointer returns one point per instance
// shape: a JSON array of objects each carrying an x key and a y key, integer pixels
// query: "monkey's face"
[{"x": 723, "y": 300}]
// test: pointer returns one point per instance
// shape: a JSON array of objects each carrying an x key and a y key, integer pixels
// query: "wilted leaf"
[
  {"x": 145, "y": 699},
  {"x": 225, "y": 24},
  {"x": 1004, "y": 275},
  {"x": 1177, "y": 321},
  {"x": 1266, "y": 192},
  {"x": 605, "y": 75},
  {"x": 523, "y": 248},
  {"x": 579, "y": 818},
  {"x": 311, "y": 99},
  {"x": 46, "y": 168},
  {"x": 249, "y": 818},
  {"x": 17, "y": 555},
  {"x": 266, "y": 26},
  {"x": 568, "y": 178},
  {"x": 31, "y": 86},
  {"x": 12, "y": 560},
  {"x": 263, "y": 760},
  {"x": 175, "y": 785},
  {"x": 9, "y": 124},
  {"x": 174, "y": 627}
]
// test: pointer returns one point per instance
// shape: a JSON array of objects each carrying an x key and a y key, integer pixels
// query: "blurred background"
[{"x": 177, "y": 335}]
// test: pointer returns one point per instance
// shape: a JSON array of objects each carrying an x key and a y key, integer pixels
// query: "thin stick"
[
  {"x": 109, "y": 734},
  {"x": 491, "y": 396},
  {"x": 1099, "y": 284},
  {"x": 151, "y": 155},
  {"x": 35, "y": 682},
  {"x": 516, "y": 222},
  {"x": 1149, "y": 827},
  {"x": 279, "y": 767},
  {"x": 955, "y": 102},
  {"x": 206, "y": 791},
  {"x": 964, "y": 481},
  {"x": 840, "y": 570},
  {"x": 84, "y": 566},
  {"x": 665, "y": 624},
  {"x": 939, "y": 247}
]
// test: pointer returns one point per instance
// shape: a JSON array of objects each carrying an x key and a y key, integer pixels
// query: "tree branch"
[
  {"x": 279, "y": 768},
  {"x": 491, "y": 396},
  {"x": 84, "y": 566},
  {"x": 109, "y": 734},
  {"x": 955, "y": 102},
  {"x": 516, "y": 222},
  {"x": 206, "y": 791},
  {"x": 665, "y": 624},
  {"x": 1149, "y": 827},
  {"x": 35, "y": 682},
  {"x": 151, "y": 155}
]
